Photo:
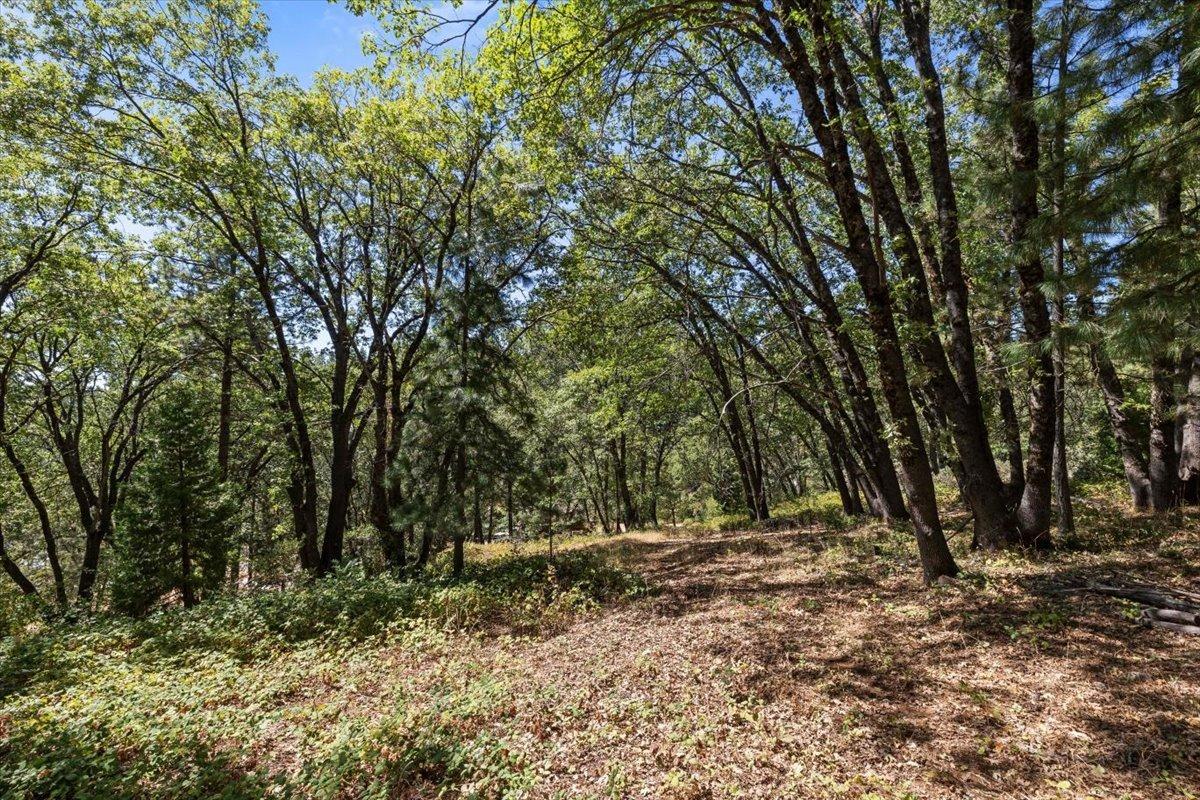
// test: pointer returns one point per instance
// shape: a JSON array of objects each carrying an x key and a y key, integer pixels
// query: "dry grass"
[{"x": 804, "y": 664}]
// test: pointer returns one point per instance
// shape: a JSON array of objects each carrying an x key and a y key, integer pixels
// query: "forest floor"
[
  {"x": 795, "y": 662},
  {"x": 810, "y": 663}
]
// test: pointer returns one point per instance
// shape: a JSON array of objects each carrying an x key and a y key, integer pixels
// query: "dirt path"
[{"x": 809, "y": 664}]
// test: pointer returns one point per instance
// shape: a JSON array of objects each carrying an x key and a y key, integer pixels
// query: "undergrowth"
[
  {"x": 824, "y": 509},
  {"x": 181, "y": 703}
]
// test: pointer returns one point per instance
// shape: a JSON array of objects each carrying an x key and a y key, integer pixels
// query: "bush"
[{"x": 823, "y": 509}]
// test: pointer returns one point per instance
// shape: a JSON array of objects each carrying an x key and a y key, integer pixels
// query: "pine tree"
[{"x": 175, "y": 523}]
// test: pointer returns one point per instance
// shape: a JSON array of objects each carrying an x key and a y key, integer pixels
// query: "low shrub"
[{"x": 172, "y": 705}]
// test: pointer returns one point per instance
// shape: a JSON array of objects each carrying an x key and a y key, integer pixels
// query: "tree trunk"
[
  {"x": 660, "y": 455},
  {"x": 508, "y": 504},
  {"x": 1061, "y": 474},
  {"x": 90, "y": 569},
  {"x": 1033, "y": 512},
  {"x": 14, "y": 570},
  {"x": 1129, "y": 440},
  {"x": 1189, "y": 440},
  {"x": 460, "y": 503},
  {"x": 851, "y": 505},
  {"x": 617, "y": 448},
  {"x": 915, "y": 475},
  {"x": 426, "y": 547},
  {"x": 43, "y": 515},
  {"x": 955, "y": 396},
  {"x": 476, "y": 516},
  {"x": 758, "y": 474},
  {"x": 1010, "y": 424},
  {"x": 341, "y": 484},
  {"x": 303, "y": 492},
  {"x": 380, "y": 511},
  {"x": 1164, "y": 461},
  {"x": 188, "y": 585},
  {"x": 225, "y": 410},
  {"x": 225, "y": 438}
]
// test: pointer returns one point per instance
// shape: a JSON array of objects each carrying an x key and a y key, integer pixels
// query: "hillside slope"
[{"x": 801, "y": 662}]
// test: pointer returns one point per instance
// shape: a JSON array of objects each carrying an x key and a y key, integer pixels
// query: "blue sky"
[{"x": 309, "y": 34}]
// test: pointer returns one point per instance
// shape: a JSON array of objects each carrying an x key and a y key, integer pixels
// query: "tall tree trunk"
[
  {"x": 344, "y": 396},
  {"x": 863, "y": 422},
  {"x": 660, "y": 455},
  {"x": 1187, "y": 85},
  {"x": 1061, "y": 474},
  {"x": 1033, "y": 513},
  {"x": 758, "y": 474},
  {"x": 303, "y": 492},
  {"x": 390, "y": 539},
  {"x": 341, "y": 485},
  {"x": 954, "y": 396},
  {"x": 617, "y": 449}
]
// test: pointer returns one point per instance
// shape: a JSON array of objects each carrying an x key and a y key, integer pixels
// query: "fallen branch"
[
  {"x": 1147, "y": 596},
  {"x": 1169, "y": 609},
  {"x": 1178, "y": 621}
]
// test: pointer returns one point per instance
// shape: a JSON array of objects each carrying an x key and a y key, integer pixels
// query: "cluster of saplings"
[{"x": 611, "y": 265}]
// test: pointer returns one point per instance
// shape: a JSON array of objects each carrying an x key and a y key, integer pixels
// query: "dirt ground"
[{"x": 810, "y": 663}]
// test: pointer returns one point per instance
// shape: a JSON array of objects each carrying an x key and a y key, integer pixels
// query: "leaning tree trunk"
[
  {"x": 1125, "y": 431},
  {"x": 851, "y": 503},
  {"x": 754, "y": 453},
  {"x": 982, "y": 486},
  {"x": 43, "y": 514},
  {"x": 915, "y": 476},
  {"x": 13, "y": 569}
]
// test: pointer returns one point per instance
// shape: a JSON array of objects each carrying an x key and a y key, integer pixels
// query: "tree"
[{"x": 174, "y": 530}]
